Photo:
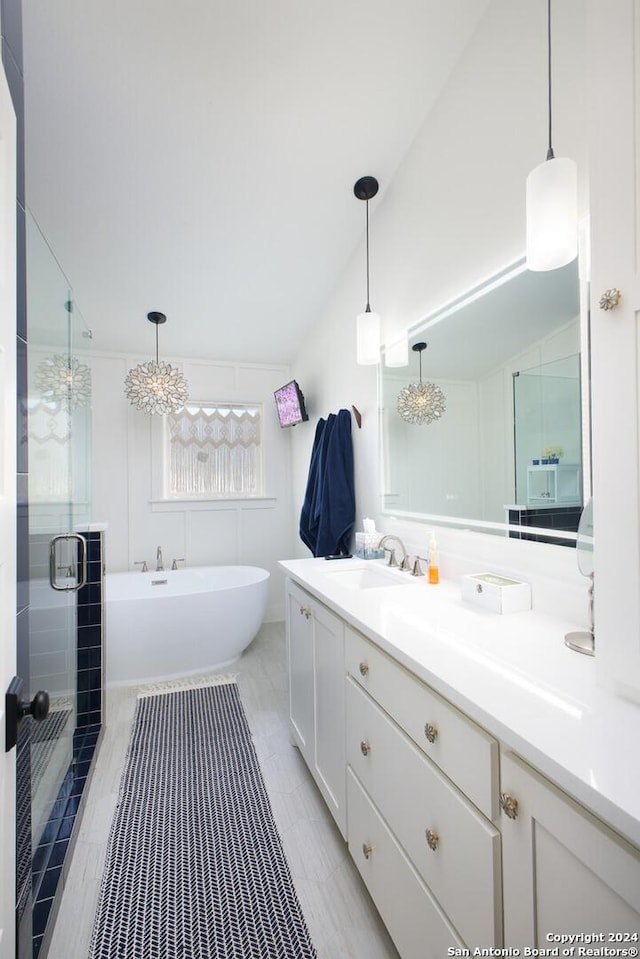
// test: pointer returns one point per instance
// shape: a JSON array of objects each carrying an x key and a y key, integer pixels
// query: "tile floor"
[{"x": 340, "y": 914}]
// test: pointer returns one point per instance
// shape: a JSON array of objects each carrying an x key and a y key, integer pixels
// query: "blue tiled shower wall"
[
  {"x": 561, "y": 517},
  {"x": 13, "y": 67},
  {"x": 50, "y": 858}
]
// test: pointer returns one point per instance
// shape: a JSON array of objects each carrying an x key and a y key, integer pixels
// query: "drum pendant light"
[
  {"x": 552, "y": 205},
  {"x": 367, "y": 323}
]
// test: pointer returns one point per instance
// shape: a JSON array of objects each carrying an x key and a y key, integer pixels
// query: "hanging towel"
[
  {"x": 329, "y": 509},
  {"x": 308, "y": 514}
]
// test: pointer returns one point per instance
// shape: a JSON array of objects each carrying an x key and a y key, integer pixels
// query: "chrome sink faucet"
[
  {"x": 404, "y": 562},
  {"x": 159, "y": 564}
]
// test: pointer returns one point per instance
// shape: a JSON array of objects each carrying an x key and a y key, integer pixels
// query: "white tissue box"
[{"x": 497, "y": 593}]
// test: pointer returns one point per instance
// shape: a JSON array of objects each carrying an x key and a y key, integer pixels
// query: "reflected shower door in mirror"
[{"x": 508, "y": 358}]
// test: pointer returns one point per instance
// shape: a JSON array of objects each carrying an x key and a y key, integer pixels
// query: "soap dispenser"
[{"x": 434, "y": 570}]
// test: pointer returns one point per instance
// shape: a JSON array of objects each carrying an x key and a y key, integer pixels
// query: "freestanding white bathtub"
[{"x": 164, "y": 625}]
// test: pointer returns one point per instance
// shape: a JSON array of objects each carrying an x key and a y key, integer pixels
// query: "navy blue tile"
[
  {"x": 94, "y": 550},
  {"x": 58, "y": 852},
  {"x": 41, "y": 912},
  {"x": 88, "y": 679},
  {"x": 78, "y": 785},
  {"x": 50, "y": 883},
  {"x": 89, "y": 657},
  {"x": 73, "y": 804},
  {"x": 94, "y": 571},
  {"x": 66, "y": 827},
  {"x": 95, "y": 700},
  {"x": 89, "y": 615},
  {"x": 85, "y": 752},
  {"x": 37, "y": 946},
  {"x": 91, "y": 593},
  {"x": 89, "y": 636},
  {"x": 82, "y": 771},
  {"x": 88, "y": 719},
  {"x": 82, "y": 700}
]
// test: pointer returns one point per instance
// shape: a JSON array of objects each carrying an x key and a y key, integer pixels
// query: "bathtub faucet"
[{"x": 159, "y": 564}]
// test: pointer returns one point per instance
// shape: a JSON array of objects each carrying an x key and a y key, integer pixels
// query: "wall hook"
[{"x": 357, "y": 415}]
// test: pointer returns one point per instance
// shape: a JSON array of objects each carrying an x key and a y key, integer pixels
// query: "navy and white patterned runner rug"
[{"x": 195, "y": 868}]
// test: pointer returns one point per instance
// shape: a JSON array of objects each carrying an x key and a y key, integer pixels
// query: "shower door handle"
[
  {"x": 16, "y": 708},
  {"x": 53, "y": 563}
]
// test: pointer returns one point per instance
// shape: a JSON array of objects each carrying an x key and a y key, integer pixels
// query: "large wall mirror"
[{"x": 510, "y": 452}]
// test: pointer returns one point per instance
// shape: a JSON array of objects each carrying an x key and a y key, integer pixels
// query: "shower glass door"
[{"x": 59, "y": 502}]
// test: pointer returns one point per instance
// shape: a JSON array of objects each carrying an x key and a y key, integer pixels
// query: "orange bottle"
[{"x": 434, "y": 570}]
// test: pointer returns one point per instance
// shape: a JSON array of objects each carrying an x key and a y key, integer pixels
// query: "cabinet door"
[
  {"x": 563, "y": 870},
  {"x": 330, "y": 763},
  {"x": 299, "y": 626},
  {"x": 613, "y": 60}
]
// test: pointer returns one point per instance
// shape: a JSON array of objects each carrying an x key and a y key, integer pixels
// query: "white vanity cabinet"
[
  {"x": 564, "y": 871},
  {"x": 315, "y": 647},
  {"x": 444, "y": 837}
]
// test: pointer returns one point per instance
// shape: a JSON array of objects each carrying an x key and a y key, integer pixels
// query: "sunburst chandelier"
[
  {"x": 156, "y": 387},
  {"x": 62, "y": 379},
  {"x": 421, "y": 402}
]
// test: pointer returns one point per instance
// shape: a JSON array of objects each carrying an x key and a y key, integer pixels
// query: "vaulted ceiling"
[{"x": 199, "y": 158}]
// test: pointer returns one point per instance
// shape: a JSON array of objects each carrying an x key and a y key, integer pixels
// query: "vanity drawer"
[
  {"x": 465, "y": 752},
  {"x": 453, "y": 847},
  {"x": 416, "y": 924}
]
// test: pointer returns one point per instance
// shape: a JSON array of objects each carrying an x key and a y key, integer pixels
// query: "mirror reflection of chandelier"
[
  {"x": 420, "y": 403},
  {"x": 156, "y": 387},
  {"x": 63, "y": 379}
]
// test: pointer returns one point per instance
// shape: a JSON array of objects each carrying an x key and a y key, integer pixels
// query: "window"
[{"x": 215, "y": 450}]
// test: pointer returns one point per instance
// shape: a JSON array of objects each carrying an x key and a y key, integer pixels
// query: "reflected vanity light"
[
  {"x": 551, "y": 201},
  {"x": 62, "y": 379},
  {"x": 397, "y": 353},
  {"x": 420, "y": 403},
  {"x": 367, "y": 323}
]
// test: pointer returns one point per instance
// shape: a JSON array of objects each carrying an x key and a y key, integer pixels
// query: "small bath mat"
[{"x": 195, "y": 868}]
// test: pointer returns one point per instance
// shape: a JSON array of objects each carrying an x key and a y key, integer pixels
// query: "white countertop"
[{"x": 511, "y": 673}]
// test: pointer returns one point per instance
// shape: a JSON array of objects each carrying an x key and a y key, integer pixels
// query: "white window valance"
[{"x": 215, "y": 450}]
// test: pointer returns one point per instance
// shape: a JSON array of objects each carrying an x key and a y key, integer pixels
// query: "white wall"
[
  {"x": 126, "y": 477},
  {"x": 453, "y": 215}
]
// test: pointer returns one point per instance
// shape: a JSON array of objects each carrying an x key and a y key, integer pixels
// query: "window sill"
[{"x": 177, "y": 504}]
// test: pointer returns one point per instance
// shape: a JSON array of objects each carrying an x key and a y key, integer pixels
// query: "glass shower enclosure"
[{"x": 59, "y": 440}]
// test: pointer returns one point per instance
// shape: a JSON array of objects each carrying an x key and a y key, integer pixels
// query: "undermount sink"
[{"x": 365, "y": 578}]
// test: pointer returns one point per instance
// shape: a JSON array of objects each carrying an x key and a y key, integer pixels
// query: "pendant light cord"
[
  {"x": 156, "y": 344},
  {"x": 550, "y": 154},
  {"x": 368, "y": 307}
]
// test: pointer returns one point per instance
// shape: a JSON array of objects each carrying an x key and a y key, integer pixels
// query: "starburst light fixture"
[
  {"x": 420, "y": 403},
  {"x": 156, "y": 387},
  {"x": 63, "y": 379}
]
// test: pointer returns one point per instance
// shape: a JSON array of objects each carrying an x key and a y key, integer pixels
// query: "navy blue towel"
[
  {"x": 329, "y": 509},
  {"x": 308, "y": 515}
]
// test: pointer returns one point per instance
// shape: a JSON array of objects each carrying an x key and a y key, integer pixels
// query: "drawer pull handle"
[
  {"x": 365, "y": 747},
  {"x": 367, "y": 849},
  {"x": 364, "y": 669},
  {"x": 432, "y": 839},
  {"x": 509, "y": 806},
  {"x": 305, "y": 611},
  {"x": 431, "y": 732}
]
